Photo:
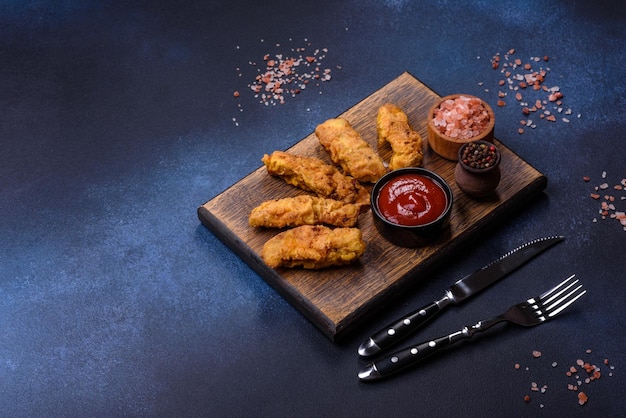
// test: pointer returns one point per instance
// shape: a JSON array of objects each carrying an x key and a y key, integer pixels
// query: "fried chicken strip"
[
  {"x": 348, "y": 149},
  {"x": 314, "y": 175},
  {"x": 393, "y": 126},
  {"x": 303, "y": 210},
  {"x": 313, "y": 247}
]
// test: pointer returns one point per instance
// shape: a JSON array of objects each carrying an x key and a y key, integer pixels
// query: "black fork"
[{"x": 531, "y": 312}]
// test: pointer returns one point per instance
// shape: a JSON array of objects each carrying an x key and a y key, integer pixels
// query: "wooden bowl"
[
  {"x": 474, "y": 181},
  {"x": 448, "y": 147}
]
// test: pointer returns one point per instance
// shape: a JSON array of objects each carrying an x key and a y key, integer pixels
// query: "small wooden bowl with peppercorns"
[
  {"x": 477, "y": 172},
  {"x": 457, "y": 119}
]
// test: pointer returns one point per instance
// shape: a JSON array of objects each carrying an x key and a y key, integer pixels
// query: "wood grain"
[{"x": 337, "y": 300}]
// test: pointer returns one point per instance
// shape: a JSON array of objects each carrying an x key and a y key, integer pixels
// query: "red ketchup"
[{"x": 411, "y": 199}]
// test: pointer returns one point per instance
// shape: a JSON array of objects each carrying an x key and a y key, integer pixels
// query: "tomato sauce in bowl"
[
  {"x": 412, "y": 199},
  {"x": 410, "y": 206}
]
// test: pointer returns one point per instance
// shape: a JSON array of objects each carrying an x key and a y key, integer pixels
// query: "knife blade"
[{"x": 464, "y": 288}]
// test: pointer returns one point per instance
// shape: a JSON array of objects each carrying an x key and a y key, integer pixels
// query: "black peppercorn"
[{"x": 478, "y": 155}]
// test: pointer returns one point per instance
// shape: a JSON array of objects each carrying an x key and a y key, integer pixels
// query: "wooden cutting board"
[{"x": 337, "y": 300}]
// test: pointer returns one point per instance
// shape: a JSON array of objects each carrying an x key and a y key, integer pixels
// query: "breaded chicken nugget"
[
  {"x": 347, "y": 149},
  {"x": 313, "y": 247},
  {"x": 303, "y": 210},
  {"x": 393, "y": 126},
  {"x": 314, "y": 175}
]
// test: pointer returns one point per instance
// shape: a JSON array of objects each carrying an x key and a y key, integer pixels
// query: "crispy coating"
[
  {"x": 304, "y": 210},
  {"x": 313, "y": 247},
  {"x": 314, "y": 175},
  {"x": 393, "y": 126},
  {"x": 347, "y": 149}
]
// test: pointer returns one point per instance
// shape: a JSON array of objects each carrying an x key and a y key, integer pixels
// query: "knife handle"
[
  {"x": 410, "y": 356},
  {"x": 402, "y": 328}
]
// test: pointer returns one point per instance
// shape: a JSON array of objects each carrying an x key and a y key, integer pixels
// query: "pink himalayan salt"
[{"x": 462, "y": 117}]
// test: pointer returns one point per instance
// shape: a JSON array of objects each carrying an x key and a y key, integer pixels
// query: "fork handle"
[
  {"x": 414, "y": 354},
  {"x": 410, "y": 356}
]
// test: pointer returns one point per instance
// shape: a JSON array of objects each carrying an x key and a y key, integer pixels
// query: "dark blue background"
[{"x": 117, "y": 120}]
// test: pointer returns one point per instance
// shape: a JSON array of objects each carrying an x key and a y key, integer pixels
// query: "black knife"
[{"x": 458, "y": 292}]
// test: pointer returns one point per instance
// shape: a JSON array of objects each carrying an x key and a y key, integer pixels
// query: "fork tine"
[
  {"x": 554, "y": 301},
  {"x": 550, "y": 293},
  {"x": 557, "y": 291},
  {"x": 565, "y": 301}
]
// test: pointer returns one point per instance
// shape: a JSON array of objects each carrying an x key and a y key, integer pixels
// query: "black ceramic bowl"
[{"x": 404, "y": 235}]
